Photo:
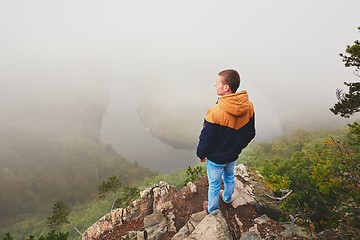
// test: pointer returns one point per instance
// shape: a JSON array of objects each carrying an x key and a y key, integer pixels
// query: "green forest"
[
  {"x": 51, "y": 151},
  {"x": 56, "y": 185},
  {"x": 322, "y": 170}
]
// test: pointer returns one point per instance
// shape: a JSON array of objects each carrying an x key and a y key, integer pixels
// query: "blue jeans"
[{"x": 216, "y": 173}]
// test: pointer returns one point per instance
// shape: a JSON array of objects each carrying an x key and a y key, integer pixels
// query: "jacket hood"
[{"x": 236, "y": 104}]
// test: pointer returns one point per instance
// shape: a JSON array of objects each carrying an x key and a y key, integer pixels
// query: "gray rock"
[
  {"x": 213, "y": 226},
  {"x": 190, "y": 226},
  {"x": 157, "y": 225},
  {"x": 291, "y": 230},
  {"x": 255, "y": 191},
  {"x": 191, "y": 186},
  {"x": 261, "y": 220},
  {"x": 242, "y": 194},
  {"x": 250, "y": 236},
  {"x": 134, "y": 235}
]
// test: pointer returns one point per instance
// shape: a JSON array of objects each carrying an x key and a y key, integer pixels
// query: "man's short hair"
[{"x": 231, "y": 78}]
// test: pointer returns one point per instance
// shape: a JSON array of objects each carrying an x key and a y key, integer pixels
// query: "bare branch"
[{"x": 277, "y": 199}]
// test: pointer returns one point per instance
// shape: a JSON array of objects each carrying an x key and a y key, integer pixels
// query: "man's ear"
[{"x": 226, "y": 87}]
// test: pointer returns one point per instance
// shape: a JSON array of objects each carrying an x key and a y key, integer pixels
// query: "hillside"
[
  {"x": 176, "y": 124},
  {"x": 50, "y": 150},
  {"x": 320, "y": 167}
]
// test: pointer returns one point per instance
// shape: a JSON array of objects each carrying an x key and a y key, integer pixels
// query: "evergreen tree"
[
  {"x": 122, "y": 195},
  {"x": 349, "y": 103},
  {"x": 111, "y": 186},
  {"x": 59, "y": 216},
  {"x": 8, "y": 237},
  {"x": 55, "y": 236}
]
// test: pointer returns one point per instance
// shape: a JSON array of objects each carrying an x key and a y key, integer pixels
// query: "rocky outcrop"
[
  {"x": 151, "y": 200},
  {"x": 162, "y": 212}
]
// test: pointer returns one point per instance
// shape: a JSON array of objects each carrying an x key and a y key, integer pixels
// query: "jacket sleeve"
[{"x": 207, "y": 139}]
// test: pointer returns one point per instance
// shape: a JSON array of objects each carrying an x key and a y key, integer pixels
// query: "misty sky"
[{"x": 287, "y": 52}]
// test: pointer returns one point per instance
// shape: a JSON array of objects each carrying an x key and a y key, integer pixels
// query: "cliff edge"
[{"x": 162, "y": 212}]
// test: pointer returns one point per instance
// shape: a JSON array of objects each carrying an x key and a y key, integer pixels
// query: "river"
[{"x": 123, "y": 129}]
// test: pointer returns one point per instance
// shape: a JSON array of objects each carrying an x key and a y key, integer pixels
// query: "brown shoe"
[
  {"x": 221, "y": 196},
  {"x": 205, "y": 206}
]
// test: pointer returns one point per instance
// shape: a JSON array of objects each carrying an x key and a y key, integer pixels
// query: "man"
[{"x": 228, "y": 128}]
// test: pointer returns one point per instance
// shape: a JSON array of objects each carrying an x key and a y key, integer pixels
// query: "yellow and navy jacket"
[{"x": 228, "y": 128}]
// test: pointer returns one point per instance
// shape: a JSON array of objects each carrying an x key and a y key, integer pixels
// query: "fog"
[{"x": 286, "y": 52}]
